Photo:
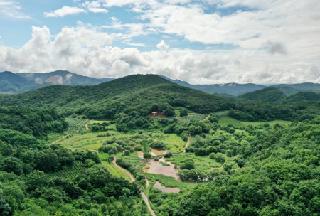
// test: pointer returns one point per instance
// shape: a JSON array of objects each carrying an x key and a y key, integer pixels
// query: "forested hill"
[
  {"x": 135, "y": 92},
  {"x": 269, "y": 95},
  {"x": 62, "y": 149},
  {"x": 139, "y": 95},
  {"x": 278, "y": 95}
]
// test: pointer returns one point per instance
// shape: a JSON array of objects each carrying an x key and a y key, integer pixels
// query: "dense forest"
[
  {"x": 66, "y": 150},
  {"x": 37, "y": 178}
]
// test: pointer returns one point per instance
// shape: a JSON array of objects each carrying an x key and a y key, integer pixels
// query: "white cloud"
[
  {"x": 162, "y": 45},
  {"x": 87, "y": 51},
  {"x": 95, "y": 6},
  {"x": 292, "y": 23},
  {"x": 276, "y": 41},
  {"x": 13, "y": 9},
  {"x": 276, "y": 48},
  {"x": 125, "y": 32},
  {"x": 64, "y": 11},
  {"x": 128, "y": 2}
]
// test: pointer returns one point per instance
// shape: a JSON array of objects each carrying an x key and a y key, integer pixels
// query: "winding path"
[
  {"x": 114, "y": 162},
  {"x": 133, "y": 179}
]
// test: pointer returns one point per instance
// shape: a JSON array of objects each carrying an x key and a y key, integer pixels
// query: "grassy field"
[
  {"x": 114, "y": 170},
  {"x": 173, "y": 142},
  {"x": 201, "y": 162},
  {"x": 86, "y": 141}
]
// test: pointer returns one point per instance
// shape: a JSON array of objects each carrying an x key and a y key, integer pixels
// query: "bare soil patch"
[{"x": 164, "y": 189}]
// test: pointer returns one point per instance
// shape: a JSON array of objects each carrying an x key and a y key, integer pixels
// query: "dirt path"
[
  {"x": 133, "y": 179},
  {"x": 86, "y": 126},
  {"x": 148, "y": 204}
]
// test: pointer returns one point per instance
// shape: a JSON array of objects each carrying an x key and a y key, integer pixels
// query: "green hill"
[
  {"x": 304, "y": 97},
  {"x": 135, "y": 92},
  {"x": 270, "y": 95}
]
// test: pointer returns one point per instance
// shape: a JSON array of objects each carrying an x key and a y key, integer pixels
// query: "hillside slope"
[
  {"x": 268, "y": 95},
  {"x": 135, "y": 93},
  {"x": 11, "y": 82}
]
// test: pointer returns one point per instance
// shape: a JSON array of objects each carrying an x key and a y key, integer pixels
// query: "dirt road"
[{"x": 133, "y": 179}]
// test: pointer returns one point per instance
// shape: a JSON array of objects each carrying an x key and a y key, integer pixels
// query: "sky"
[{"x": 199, "y": 41}]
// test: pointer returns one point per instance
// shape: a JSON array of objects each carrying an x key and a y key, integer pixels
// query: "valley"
[
  {"x": 160, "y": 108},
  {"x": 142, "y": 145}
]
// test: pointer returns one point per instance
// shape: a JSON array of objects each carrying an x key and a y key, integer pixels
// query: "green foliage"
[
  {"x": 220, "y": 158},
  {"x": 158, "y": 145},
  {"x": 278, "y": 176},
  {"x": 183, "y": 112},
  {"x": 98, "y": 127},
  {"x": 37, "y": 122},
  {"x": 187, "y": 164},
  {"x": 238, "y": 168},
  {"x": 41, "y": 179},
  {"x": 269, "y": 95}
]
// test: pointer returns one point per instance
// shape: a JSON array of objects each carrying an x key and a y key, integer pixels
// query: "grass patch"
[
  {"x": 173, "y": 143},
  {"x": 203, "y": 163}
]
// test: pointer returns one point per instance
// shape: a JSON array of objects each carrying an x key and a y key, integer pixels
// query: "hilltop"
[
  {"x": 21, "y": 82},
  {"x": 134, "y": 92}
]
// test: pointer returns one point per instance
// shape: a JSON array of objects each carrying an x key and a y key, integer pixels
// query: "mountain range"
[
  {"x": 137, "y": 95},
  {"x": 20, "y": 82}
]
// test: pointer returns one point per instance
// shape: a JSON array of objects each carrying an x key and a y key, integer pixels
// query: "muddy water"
[
  {"x": 162, "y": 167},
  {"x": 159, "y": 167}
]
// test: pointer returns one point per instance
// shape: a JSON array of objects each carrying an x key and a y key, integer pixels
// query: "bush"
[
  {"x": 158, "y": 145},
  {"x": 183, "y": 113},
  {"x": 12, "y": 164},
  {"x": 168, "y": 154},
  {"x": 147, "y": 155},
  {"x": 219, "y": 157},
  {"x": 187, "y": 164},
  {"x": 126, "y": 153}
]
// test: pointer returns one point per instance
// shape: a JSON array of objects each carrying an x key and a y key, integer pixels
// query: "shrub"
[{"x": 187, "y": 164}]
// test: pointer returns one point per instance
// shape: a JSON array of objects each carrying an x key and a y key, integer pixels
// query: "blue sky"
[
  {"x": 15, "y": 32},
  {"x": 201, "y": 41}
]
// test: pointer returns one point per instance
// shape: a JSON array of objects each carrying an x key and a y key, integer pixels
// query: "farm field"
[{"x": 128, "y": 147}]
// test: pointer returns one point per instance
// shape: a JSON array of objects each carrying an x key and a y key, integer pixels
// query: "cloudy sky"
[{"x": 203, "y": 41}]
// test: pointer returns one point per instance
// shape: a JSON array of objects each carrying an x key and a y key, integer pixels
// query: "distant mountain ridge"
[
  {"x": 233, "y": 89},
  {"x": 237, "y": 89},
  {"x": 19, "y": 82},
  {"x": 11, "y": 83}
]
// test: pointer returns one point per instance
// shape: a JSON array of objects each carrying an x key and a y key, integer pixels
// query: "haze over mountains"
[{"x": 20, "y": 82}]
